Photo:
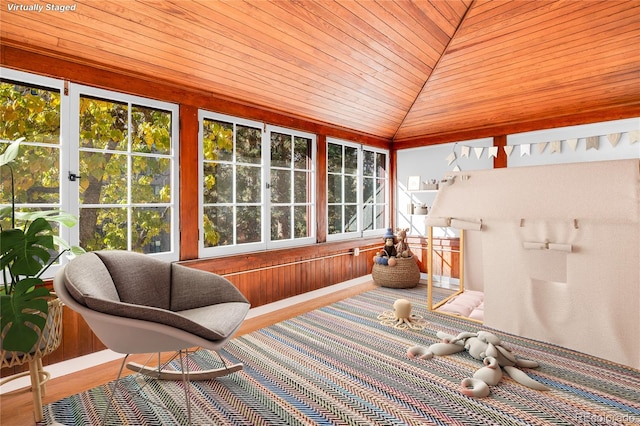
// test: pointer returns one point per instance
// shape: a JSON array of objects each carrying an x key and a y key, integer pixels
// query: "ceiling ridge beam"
[{"x": 435, "y": 67}]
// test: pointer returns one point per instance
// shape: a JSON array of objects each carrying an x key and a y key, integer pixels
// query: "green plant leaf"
[
  {"x": 24, "y": 311},
  {"x": 5, "y": 211},
  {"x": 26, "y": 253},
  {"x": 58, "y": 216},
  {"x": 11, "y": 152}
]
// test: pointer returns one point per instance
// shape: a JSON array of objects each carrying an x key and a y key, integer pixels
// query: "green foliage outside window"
[
  {"x": 137, "y": 178},
  {"x": 108, "y": 166}
]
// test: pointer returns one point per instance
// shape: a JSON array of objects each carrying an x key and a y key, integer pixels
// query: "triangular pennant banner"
[
  {"x": 573, "y": 143},
  {"x": 593, "y": 142},
  {"x": 492, "y": 151},
  {"x": 634, "y": 136},
  {"x": 525, "y": 149},
  {"x": 542, "y": 146},
  {"x": 508, "y": 149},
  {"x": 451, "y": 158},
  {"x": 464, "y": 152},
  {"x": 556, "y": 146},
  {"x": 457, "y": 168},
  {"x": 478, "y": 151},
  {"x": 614, "y": 138}
]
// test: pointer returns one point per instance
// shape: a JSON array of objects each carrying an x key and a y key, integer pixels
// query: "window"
[
  {"x": 256, "y": 186},
  {"x": 126, "y": 156},
  {"x": 357, "y": 190},
  {"x": 108, "y": 158},
  {"x": 374, "y": 190},
  {"x": 32, "y": 108},
  {"x": 292, "y": 186}
]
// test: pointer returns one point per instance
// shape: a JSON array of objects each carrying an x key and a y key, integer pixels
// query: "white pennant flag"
[
  {"x": 634, "y": 136},
  {"x": 478, "y": 151},
  {"x": 451, "y": 158},
  {"x": 614, "y": 138},
  {"x": 556, "y": 146},
  {"x": 573, "y": 143},
  {"x": 508, "y": 149},
  {"x": 464, "y": 152},
  {"x": 593, "y": 142},
  {"x": 456, "y": 168},
  {"x": 493, "y": 151},
  {"x": 542, "y": 146},
  {"x": 525, "y": 149}
]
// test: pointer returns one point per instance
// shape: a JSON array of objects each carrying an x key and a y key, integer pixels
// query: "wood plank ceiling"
[{"x": 402, "y": 70}]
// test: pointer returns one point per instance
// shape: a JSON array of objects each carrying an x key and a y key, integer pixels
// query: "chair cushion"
[
  {"x": 210, "y": 322},
  {"x": 86, "y": 277},
  {"x": 192, "y": 288},
  {"x": 139, "y": 279},
  {"x": 215, "y": 320}
]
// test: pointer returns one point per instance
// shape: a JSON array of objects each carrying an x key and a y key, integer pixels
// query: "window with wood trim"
[
  {"x": 291, "y": 187},
  {"x": 31, "y": 110},
  {"x": 256, "y": 186},
  {"x": 109, "y": 158},
  {"x": 127, "y": 162},
  {"x": 357, "y": 190}
]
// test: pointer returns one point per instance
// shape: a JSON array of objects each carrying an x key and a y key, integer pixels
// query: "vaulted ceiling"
[{"x": 397, "y": 69}]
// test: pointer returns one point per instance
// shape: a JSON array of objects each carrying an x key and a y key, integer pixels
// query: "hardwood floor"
[{"x": 16, "y": 408}]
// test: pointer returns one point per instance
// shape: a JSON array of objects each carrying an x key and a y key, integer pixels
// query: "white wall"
[
  {"x": 431, "y": 162},
  {"x": 606, "y": 151}
]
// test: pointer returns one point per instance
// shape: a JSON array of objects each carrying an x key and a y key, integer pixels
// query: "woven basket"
[
  {"x": 405, "y": 274},
  {"x": 48, "y": 341}
]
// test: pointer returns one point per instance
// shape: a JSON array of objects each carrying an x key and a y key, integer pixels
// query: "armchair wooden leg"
[{"x": 177, "y": 375}]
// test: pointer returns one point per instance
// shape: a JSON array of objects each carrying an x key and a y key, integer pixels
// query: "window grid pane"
[
  {"x": 375, "y": 191},
  {"x": 291, "y": 179},
  {"x": 232, "y": 183},
  {"x": 29, "y": 112},
  {"x": 32, "y": 113},
  {"x": 132, "y": 169},
  {"x": 356, "y": 196}
]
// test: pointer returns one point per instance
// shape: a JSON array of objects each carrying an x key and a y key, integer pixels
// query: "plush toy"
[
  {"x": 387, "y": 255},
  {"x": 389, "y": 249},
  {"x": 486, "y": 347},
  {"x": 402, "y": 248},
  {"x": 401, "y": 317}
]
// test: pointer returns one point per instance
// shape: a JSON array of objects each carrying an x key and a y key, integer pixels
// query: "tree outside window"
[
  {"x": 257, "y": 186},
  {"x": 33, "y": 113},
  {"x": 357, "y": 190},
  {"x": 232, "y": 183},
  {"x": 291, "y": 186},
  {"x": 125, "y": 163},
  {"x": 121, "y": 150}
]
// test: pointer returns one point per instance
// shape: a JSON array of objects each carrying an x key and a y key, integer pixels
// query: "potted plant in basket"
[{"x": 28, "y": 247}]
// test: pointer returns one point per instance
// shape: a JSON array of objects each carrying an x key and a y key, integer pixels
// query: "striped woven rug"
[{"x": 339, "y": 365}]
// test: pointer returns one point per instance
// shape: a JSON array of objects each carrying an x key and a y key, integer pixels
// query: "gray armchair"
[{"x": 135, "y": 304}]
